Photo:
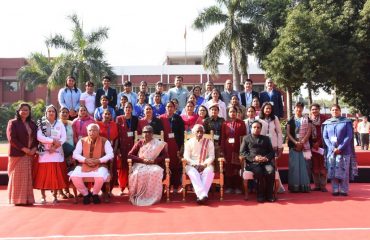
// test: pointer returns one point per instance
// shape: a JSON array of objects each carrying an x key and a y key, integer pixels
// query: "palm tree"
[
  {"x": 241, "y": 23},
  {"x": 83, "y": 58},
  {"x": 37, "y": 72}
]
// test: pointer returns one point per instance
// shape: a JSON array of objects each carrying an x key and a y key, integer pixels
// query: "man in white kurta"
[
  {"x": 200, "y": 153},
  {"x": 100, "y": 174}
]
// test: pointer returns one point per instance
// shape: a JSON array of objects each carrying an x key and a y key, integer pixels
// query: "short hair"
[
  {"x": 23, "y": 104},
  {"x": 141, "y": 93},
  {"x": 254, "y": 109},
  {"x": 63, "y": 108},
  {"x": 172, "y": 102},
  {"x": 335, "y": 105},
  {"x": 89, "y": 84},
  {"x": 104, "y": 97},
  {"x": 248, "y": 80},
  {"x": 92, "y": 125},
  {"x": 124, "y": 96},
  {"x": 148, "y": 128},
  {"x": 158, "y": 93},
  {"x": 196, "y": 127},
  {"x": 256, "y": 121},
  {"x": 175, "y": 100},
  {"x": 128, "y": 104},
  {"x": 143, "y": 82},
  {"x": 299, "y": 104},
  {"x": 180, "y": 78},
  {"x": 215, "y": 105},
  {"x": 315, "y": 105},
  {"x": 190, "y": 102},
  {"x": 232, "y": 107},
  {"x": 200, "y": 88},
  {"x": 127, "y": 84},
  {"x": 106, "y": 77},
  {"x": 209, "y": 81},
  {"x": 202, "y": 106},
  {"x": 159, "y": 83}
]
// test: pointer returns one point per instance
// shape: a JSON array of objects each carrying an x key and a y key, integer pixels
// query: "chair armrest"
[
  {"x": 242, "y": 162},
  {"x": 221, "y": 161},
  {"x": 129, "y": 161}
]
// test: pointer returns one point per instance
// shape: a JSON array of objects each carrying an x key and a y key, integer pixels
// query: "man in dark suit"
[
  {"x": 246, "y": 97},
  {"x": 111, "y": 93},
  {"x": 274, "y": 97}
]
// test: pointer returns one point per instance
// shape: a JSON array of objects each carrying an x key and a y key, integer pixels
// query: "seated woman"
[{"x": 145, "y": 181}]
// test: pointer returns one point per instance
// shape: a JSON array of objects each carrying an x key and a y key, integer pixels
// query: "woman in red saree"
[{"x": 232, "y": 130}]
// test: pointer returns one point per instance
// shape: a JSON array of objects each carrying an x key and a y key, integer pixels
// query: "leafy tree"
[
  {"x": 83, "y": 59},
  {"x": 38, "y": 71},
  {"x": 240, "y": 20}
]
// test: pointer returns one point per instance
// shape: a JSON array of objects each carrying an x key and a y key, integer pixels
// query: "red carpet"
[{"x": 313, "y": 215}]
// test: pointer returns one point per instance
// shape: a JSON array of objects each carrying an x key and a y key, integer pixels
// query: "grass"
[{"x": 3, "y": 147}]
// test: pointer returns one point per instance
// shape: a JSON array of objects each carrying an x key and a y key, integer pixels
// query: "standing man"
[
  {"x": 199, "y": 154},
  {"x": 355, "y": 132},
  {"x": 127, "y": 91},
  {"x": 319, "y": 172},
  {"x": 274, "y": 97},
  {"x": 179, "y": 92},
  {"x": 158, "y": 89},
  {"x": 208, "y": 92},
  {"x": 247, "y": 96},
  {"x": 258, "y": 154},
  {"x": 229, "y": 92},
  {"x": 111, "y": 93},
  {"x": 144, "y": 89},
  {"x": 88, "y": 97},
  {"x": 363, "y": 128}
]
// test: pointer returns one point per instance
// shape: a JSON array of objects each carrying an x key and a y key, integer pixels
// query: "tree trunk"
[
  {"x": 289, "y": 103},
  {"x": 48, "y": 96},
  {"x": 309, "y": 89},
  {"x": 236, "y": 74}
]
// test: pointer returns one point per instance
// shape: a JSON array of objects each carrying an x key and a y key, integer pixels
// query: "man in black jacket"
[
  {"x": 111, "y": 93},
  {"x": 258, "y": 155}
]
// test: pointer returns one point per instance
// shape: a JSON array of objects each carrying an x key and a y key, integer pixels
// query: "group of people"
[{"x": 96, "y": 130}]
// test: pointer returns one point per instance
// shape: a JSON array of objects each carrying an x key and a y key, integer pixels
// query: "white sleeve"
[
  {"x": 43, "y": 139},
  {"x": 187, "y": 154},
  {"x": 78, "y": 151},
  {"x": 63, "y": 134},
  {"x": 108, "y": 152},
  {"x": 211, "y": 153}
]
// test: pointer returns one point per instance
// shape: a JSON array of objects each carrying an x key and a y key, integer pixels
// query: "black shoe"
[
  {"x": 324, "y": 190},
  {"x": 96, "y": 199},
  {"x": 271, "y": 199},
  {"x": 335, "y": 194},
  {"x": 316, "y": 189},
  {"x": 343, "y": 194},
  {"x": 86, "y": 199},
  {"x": 261, "y": 200},
  {"x": 205, "y": 200}
]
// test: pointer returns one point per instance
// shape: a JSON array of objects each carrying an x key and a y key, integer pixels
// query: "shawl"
[{"x": 152, "y": 149}]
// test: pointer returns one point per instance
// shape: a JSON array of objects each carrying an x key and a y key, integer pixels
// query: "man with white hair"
[
  {"x": 92, "y": 152},
  {"x": 199, "y": 154}
]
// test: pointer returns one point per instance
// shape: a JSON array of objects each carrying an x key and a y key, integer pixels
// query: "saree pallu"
[{"x": 20, "y": 189}]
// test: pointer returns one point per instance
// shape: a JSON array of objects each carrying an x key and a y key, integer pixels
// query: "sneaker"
[
  {"x": 96, "y": 199},
  {"x": 238, "y": 191},
  {"x": 86, "y": 199},
  {"x": 229, "y": 191}
]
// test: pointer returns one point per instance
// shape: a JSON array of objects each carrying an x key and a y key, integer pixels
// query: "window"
[{"x": 11, "y": 86}]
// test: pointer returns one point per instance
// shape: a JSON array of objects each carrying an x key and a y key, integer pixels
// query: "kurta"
[
  {"x": 231, "y": 133},
  {"x": 156, "y": 124},
  {"x": 126, "y": 129},
  {"x": 51, "y": 171},
  {"x": 174, "y": 136},
  {"x": 79, "y": 126},
  {"x": 146, "y": 179},
  {"x": 20, "y": 189},
  {"x": 189, "y": 121}
]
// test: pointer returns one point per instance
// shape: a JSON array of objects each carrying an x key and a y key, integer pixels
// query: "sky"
[{"x": 140, "y": 32}]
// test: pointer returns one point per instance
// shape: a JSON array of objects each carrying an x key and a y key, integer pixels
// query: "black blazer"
[
  {"x": 112, "y": 95},
  {"x": 242, "y": 97}
]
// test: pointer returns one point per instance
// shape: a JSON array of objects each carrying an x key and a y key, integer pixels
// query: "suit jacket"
[
  {"x": 276, "y": 99},
  {"x": 242, "y": 97},
  {"x": 112, "y": 96},
  {"x": 17, "y": 137}
]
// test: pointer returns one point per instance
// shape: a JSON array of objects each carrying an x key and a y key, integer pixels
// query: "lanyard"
[{"x": 128, "y": 122}]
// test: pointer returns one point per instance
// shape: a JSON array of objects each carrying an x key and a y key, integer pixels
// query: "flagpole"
[{"x": 186, "y": 60}]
